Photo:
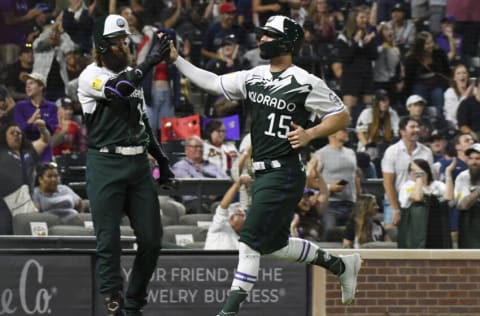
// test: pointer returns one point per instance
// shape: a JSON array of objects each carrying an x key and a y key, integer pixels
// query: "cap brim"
[
  {"x": 118, "y": 34},
  {"x": 37, "y": 80}
]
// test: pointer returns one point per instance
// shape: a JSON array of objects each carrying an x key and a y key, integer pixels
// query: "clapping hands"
[{"x": 451, "y": 167}]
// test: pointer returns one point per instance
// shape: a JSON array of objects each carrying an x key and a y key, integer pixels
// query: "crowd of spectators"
[{"x": 386, "y": 59}]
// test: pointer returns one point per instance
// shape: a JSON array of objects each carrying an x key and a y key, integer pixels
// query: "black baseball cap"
[
  {"x": 399, "y": 7},
  {"x": 475, "y": 148},
  {"x": 229, "y": 39},
  {"x": 437, "y": 134},
  {"x": 381, "y": 94},
  {"x": 65, "y": 102},
  {"x": 448, "y": 19}
]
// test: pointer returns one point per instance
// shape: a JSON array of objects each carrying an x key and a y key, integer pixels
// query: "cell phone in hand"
[
  {"x": 342, "y": 182},
  {"x": 472, "y": 80}
]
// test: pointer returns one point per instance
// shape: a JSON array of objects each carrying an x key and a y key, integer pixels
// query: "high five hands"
[{"x": 160, "y": 49}]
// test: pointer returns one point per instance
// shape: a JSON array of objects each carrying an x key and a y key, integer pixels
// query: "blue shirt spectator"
[{"x": 216, "y": 32}]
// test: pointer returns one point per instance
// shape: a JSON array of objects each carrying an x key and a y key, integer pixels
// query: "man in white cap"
[
  {"x": 35, "y": 107},
  {"x": 118, "y": 173},
  {"x": 416, "y": 108}
]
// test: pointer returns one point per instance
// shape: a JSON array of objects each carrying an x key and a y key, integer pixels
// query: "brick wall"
[{"x": 407, "y": 283}]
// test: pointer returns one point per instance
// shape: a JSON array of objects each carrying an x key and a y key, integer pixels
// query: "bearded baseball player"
[
  {"x": 283, "y": 98},
  {"x": 119, "y": 178}
]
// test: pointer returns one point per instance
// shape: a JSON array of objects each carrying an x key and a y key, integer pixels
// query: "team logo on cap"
[{"x": 120, "y": 23}]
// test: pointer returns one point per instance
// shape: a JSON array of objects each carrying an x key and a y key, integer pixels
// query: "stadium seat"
[
  {"x": 168, "y": 221},
  {"x": 171, "y": 208},
  {"x": 21, "y": 222},
  {"x": 193, "y": 219},
  {"x": 85, "y": 216},
  {"x": 175, "y": 150},
  {"x": 70, "y": 230},
  {"x": 74, "y": 230},
  {"x": 196, "y": 245},
  {"x": 180, "y": 128},
  {"x": 183, "y": 235},
  {"x": 71, "y": 167},
  {"x": 74, "y": 219}
]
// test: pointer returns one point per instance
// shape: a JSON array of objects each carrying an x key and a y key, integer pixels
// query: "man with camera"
[{"x": 339, "y": 169}]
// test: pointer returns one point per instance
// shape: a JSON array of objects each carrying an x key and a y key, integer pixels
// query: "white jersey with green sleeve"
[{"x": 276, "y": 100}]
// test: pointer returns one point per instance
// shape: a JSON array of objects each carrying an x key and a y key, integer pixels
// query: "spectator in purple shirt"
[
  {"x": 35, "y": 107},
  {"x": 449, "y": 41}
]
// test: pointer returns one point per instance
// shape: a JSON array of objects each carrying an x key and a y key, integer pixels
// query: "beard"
[
  {"x": 474, "y": 175},
  {"x": 118, "y": 61}
]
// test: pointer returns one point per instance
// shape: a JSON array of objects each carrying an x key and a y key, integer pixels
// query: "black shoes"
[{"x": 114, "y": 304}]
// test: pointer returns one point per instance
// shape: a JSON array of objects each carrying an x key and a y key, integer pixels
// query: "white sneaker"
[{"x": 348, "y": 279}]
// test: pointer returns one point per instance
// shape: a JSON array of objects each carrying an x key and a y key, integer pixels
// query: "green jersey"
[
  {"x": 111, "y": 122},
  {"x": 276, "y": 100}
]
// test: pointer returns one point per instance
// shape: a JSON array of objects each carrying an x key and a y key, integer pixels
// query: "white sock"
[
  {"x": 247, "y": 269},
  {"x": 299, "y": 250}
]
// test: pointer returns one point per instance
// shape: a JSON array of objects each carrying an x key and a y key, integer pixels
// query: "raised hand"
[
  {"x": 451, "y": 167},
  {"x": 160, "y": 48}
]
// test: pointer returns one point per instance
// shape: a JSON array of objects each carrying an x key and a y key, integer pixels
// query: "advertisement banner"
[
  {"x": 198, "y": 285},
  {"x": 190, "y": 284},
  {"x": 45, "y": 285}
]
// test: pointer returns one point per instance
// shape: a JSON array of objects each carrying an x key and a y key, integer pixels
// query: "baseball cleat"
[{"x": 348, "y": 279}]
